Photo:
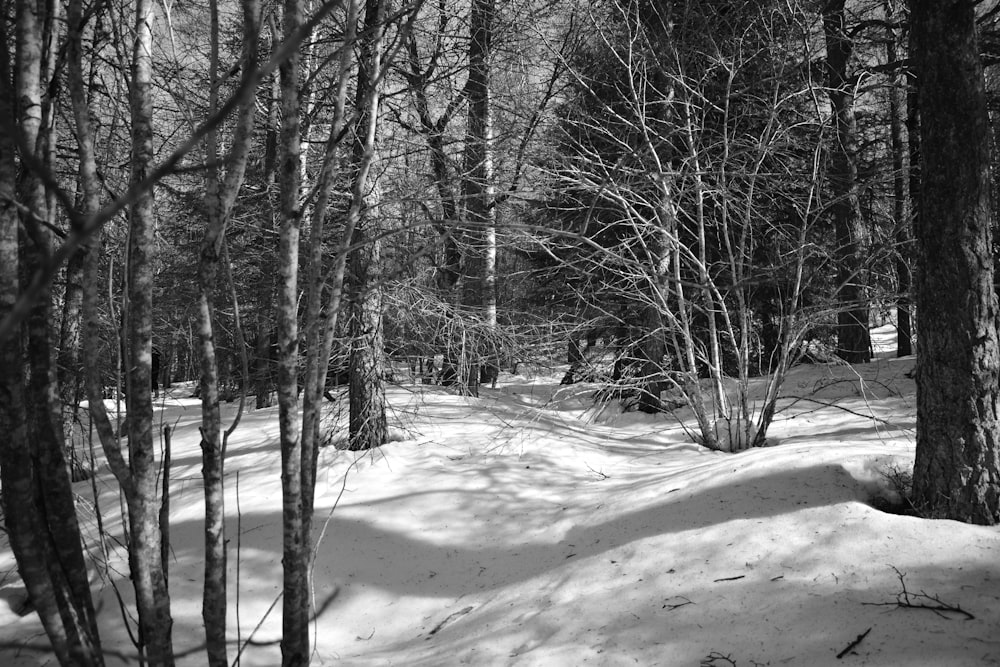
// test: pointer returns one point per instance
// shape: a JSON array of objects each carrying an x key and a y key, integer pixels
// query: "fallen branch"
[
  {"x": 907, "y": 600},
  {"x": 451, "y": 617},
  {"x": 853, "y": 644},
  {"x": 716, "y": 659}
]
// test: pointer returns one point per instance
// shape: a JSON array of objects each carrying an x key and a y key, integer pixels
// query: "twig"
[
  {"x": 715, "y": 658},
  {"x": 678, "y": 605},
  {"x": 850, "y": 647},
  {"x": 448, "y": 619},
  {"x": 601, "y": 476},
  {"x": 239, "y": 547},
  {"x": 250, "y": 641},
  {"x": 742, "y": 576},
  {"x": 906, "y": 600}
]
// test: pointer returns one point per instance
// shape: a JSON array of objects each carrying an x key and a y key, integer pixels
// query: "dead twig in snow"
[
  {"x": 677, "y": 605},
  {"x": 907, "y": 600},
  {"x": 451, "y": 617},
  {"x": 850, "y": 647},
  {"x": 742, "y": 576},
  {"x": 716, "y": 659},
  {"x": 601, "y": 476}
]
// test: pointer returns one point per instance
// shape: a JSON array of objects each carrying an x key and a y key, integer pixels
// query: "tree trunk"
[
  {"x": 449, "y": 268},
  {"x": 220, "y": 195},
  {"x": 152, "y": 597},
  {"x": 900, "y": 187},
  {"x": 957, "y": 469},
  {"x": 263, "y": 355},
  {"x": 40, "y": 515},
  {"x": 70, "y": 373},
  {"x": 321, "y": 319},
  {"x": 479, "y": 291},
  {"x": 295, "y": 554},
  {"x": 38, "y": 502},
  {"x": 853, "y": 338},
  {"x": 367, "y": 359}
]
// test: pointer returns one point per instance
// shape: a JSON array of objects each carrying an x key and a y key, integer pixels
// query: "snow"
[{"x": 520, "y": 529}]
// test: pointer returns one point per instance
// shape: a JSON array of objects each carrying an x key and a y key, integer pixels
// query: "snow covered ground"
[{"x": 517, "y": 529}]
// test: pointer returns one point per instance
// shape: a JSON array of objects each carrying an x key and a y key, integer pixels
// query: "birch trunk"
[
  {"x": 152, "y": 597},
  {"x": 319, "y": 320},
  {"x": 220, "y": 195},
  {"x": 40, "y": 515},
  {"x": 295, "y": 554}
]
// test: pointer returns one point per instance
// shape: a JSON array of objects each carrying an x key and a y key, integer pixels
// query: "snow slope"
[{"x": 515, "y": 529}]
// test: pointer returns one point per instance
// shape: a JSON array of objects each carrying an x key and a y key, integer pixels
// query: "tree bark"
[
  {"x": 295, "y": 554},
  {"x": 367, "y": 419},
  {"x": 263, "y": 357},
  {"x": 853, "y": 338},
  {"x": 321, "y": 318},
  {"x": 418, "y": 78},
  {"x": 220, "y": 196},
  {"x": 152, "y": 597},
  {"x": 900, "y": 188},
  {"x": 479, "y": 291},
  {"x": 39, "y": 511},
  {"x": 957, "y": 469}
]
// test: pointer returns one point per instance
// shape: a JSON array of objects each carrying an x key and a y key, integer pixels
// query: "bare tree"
[{"x": 692, "y": 224}]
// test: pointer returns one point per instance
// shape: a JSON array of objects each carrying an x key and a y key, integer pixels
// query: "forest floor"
[{"x": 526, "y": 527}]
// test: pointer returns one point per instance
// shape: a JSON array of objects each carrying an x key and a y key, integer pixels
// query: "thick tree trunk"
[
  {"x": 367, "y": 421},
  {"x": 957, "y": 469},
  {"x": 853, "y": 338}
]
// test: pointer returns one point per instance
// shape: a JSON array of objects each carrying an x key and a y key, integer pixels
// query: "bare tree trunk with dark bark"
[
  {"x": 263, "y": 356},
  {"x": 900, "y": 186},
  {"x": 957, "y": 469},
  {"x": 853, "y": 338},
  {"x": 479, "y": 291}
]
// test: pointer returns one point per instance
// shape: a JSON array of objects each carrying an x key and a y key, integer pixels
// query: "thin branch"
[{"x": 81, "y": 228}]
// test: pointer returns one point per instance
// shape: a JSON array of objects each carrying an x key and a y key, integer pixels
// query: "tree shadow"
[{"x": 360, "y": 552}]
